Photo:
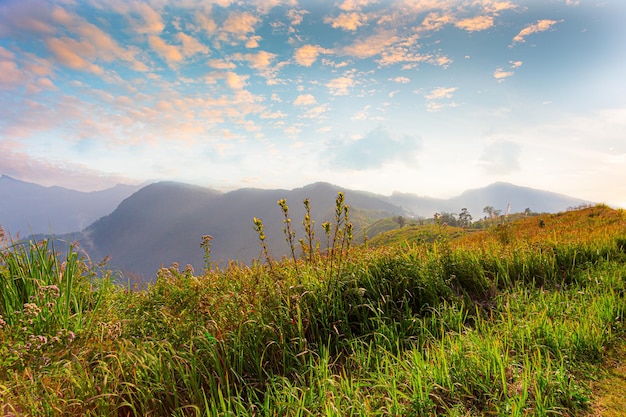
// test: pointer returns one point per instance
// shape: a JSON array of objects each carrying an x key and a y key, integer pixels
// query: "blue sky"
[{"x": 430, "y": 97}]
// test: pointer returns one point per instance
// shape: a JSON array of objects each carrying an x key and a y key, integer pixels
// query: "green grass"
[{"x": 515, "y": 321}]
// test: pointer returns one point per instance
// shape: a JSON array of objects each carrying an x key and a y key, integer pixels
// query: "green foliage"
[{"x": 439, "y": 321}]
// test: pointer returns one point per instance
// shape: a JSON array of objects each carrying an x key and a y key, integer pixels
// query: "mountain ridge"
[
  {"x": 163, "y": 222},
  {"x": 29, "y": 208}
]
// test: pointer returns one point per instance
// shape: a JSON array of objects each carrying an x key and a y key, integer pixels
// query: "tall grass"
[{"x": 474, "y": 325}]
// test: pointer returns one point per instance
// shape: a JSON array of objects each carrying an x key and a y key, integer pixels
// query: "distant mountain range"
[
  {"x": 498, "y": 195},
  {"x": 164, "y": 222},
  {"x": 161, "y": 223},
  {"x": 27, "y": 208}
]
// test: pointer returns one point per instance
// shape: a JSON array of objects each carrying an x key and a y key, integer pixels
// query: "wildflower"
[
  {"x": 2, "y": 322},
  {"x": 31, "y": 310},
  {"x": 53, "y": 290}
]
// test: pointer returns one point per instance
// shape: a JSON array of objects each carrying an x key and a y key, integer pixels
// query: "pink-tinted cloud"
[
  {"x": 305, "y": 100},
  {"x": 70, "y": 53},
  {"x": 11, "y": 76},
  {"x": 347, "y": 21},
  {"x": 440, "y": 93},
  {"x": 474, "y": 24},
  {"x": 26, "y": 18},
  {"x": 18, "y": 164},
  {"x": 500, "y": 74},
  {"x": 306, "y": 55},
  {"x": 340, "y": 86},
  {"x": 149, "y": 21},
  {"x": 235, "y": 81},
  {"x": 372, "y": 45},
  {"x": 168, "y": 52},
  {"x": 540, "y": 26},
  {"x": 190, "y": 45},
  {"x": 221, "y": 64},
  {"x": 239, "y": 24},
  {"x": 206, "y": 23},
  {"x": 435, "y": 21}
]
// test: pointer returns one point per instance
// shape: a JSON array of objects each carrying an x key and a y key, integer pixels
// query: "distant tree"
[
  {"x": 449, "y": 218},
  {"x": 489, "y": 211},
  {"x": 527, "y": 211},
  {"x": 400, "y": 220},
  {"x": 465, "y": 218}
]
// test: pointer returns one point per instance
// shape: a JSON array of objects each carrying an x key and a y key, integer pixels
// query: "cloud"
[
  {"x": 340, "y": 86},
  {"x": 372, "y": 45},
  {"x": 500, "y": 158},
  {"x": 315, "y": 112},
  {"x": 296, "y": 16},
  {"x": 221, "y": 64},
  {"x": 191, "y": 45},
  {"x": 152, "y": 22},
  {"x": 304, "y": 100},
  {"x": 400, "y": 80},
  {"x": 206, "y": 23},
  {"x": 347, "y": 21},
  {"x": 12, "y": 76},
  {"x": 435, "y": 21},
  {"x": 500, "y": 74},
  {"x": 436, "y": 96},
  {"x": 349, "y": 5},
  {"x": 306, "y": 55},
  {"x": 239, "y": 24},
  {"x": 168, "y": 52},
  {"x": 70, "y": 52},
  {"x": 474, "y": 24},
  {"x": 260, "y": 60},
  {"x": 373, "y": 150},
  {"x": 497, "y": 6},
  {"x": 236, "y": 81},
  {"x": 441, "y": 93},
  {"x": 77, "y": 176},
  {"x": 540, "y": 26},
  {"x": 26, "y": 18}
]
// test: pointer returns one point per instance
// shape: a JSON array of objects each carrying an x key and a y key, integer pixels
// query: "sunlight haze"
[{"x": 425, "y": 97}]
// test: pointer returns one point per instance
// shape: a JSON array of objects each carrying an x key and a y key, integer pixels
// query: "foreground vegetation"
[{"x": 516, "y": 320}]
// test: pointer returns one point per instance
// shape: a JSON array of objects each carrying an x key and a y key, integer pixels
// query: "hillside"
[
  {"x": 164, "y": 223},
  {"x": 525, "y": 318},
  {"x": 133, "y": 234}
]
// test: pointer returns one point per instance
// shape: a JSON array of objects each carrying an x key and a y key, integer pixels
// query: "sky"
[{"x": 430, "y": 97}]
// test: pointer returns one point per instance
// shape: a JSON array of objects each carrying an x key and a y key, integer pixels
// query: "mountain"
[
  {"x": 498, "y": 195},
  {"x": 27, "y": 208},
  {"x": 164, "y": 223}
]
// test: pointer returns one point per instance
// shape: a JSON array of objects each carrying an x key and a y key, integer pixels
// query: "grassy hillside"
[{"x": 516, "y": 320}]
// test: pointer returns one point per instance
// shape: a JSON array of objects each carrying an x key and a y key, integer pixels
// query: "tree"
[
  {"x": 400, "y": 220},
  {"x": 465, "y": 218},
  {"x": 448, "y": 218},
  {"x": 488, "y": 210}
]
